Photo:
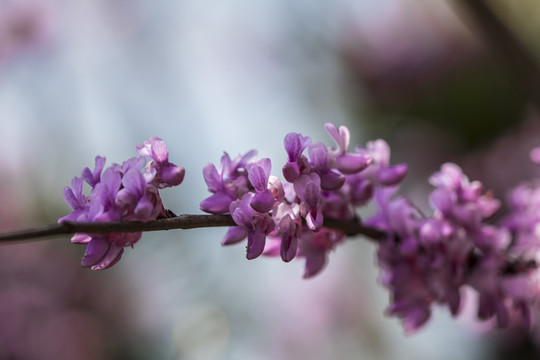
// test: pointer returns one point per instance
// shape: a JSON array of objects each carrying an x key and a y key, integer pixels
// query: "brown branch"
[
  {"x": 354, "y": 227},
  {"x": 349, "y": 227}
]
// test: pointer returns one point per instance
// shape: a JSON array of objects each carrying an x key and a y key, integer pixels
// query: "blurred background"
[{"x": 435, "y": 78}]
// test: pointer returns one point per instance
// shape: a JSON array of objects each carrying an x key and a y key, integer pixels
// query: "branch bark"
[
  {"x": 186, "y": 221},
  {"x": 350, "y": 227}
]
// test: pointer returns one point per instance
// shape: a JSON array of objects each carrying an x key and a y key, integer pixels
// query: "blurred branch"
[
  {"x": 519, "y": 61},
  {"x": 348, "y": 227}
]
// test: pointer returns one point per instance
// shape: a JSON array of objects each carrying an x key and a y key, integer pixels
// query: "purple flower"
[
  {"x": 320, "y": 158},
  {"x": 127, "y": 192},
  {"x": 297, "y": 163},
  {"x": 276, "y": 188},
  {"x": 337, "y": 205},
  {"x": 93, "y": 177},
  {"x": 331, "y": 182},
  {"x": 308, "y": 190},
  {"x": 380, "y": 170},
  {"x": 219, "y": 202},
  {"x": 101, "y": 253},
  {"x": 104, "y": 206},
  {"x": 523, "y": 221},
  {"x": 419, "y": 260},
  {"x": 168, "y": 174},
  {"x": 359, "y": 187},
  {"x": 425, "y": 260},
  {"x": 234, "y": 235},
  {"x": 254, "y": 224},
  {"x": 315, "y": 246},
  {"x": 258, "y": 175},
  {"x": 507, "y": 298},
  {"x": 460, "y": 200},
  {"x": 137, "y": 195},
  {"x": 346, "y": 162},
  {"x": 398, "y": 218},
  {"x": 227, "y": 184},
  {"x": 289, "y": 229},
  {"x": 77, "y": 200}
]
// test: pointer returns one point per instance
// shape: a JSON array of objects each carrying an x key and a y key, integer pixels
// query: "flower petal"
[
  {"x": 351, "y": 163},
  {"x": 291, "y": 171},
  {"x": 295, "y": 144},
  {"x": 216, "y": 204},
  {"x": 332, "y": 180},
  {"x": 81, "y": 238},
  {"x": 95, "y": 251},
  {"x": 172, "y": 175},
  {"x": 314, "y": 221},
  {"x": 258, "y": 173},
  {"x": 392, "y": 175},
  {"x": 315, "y": 262},
  {"x": 111, "y": 258},
  {"x": 255, "y": 245},
  {"x": 234, "y": 235},
  {"x": 263, "y": 202},
  {"x": 212, "y": 178},
  {"x": 160, "y": 153}
]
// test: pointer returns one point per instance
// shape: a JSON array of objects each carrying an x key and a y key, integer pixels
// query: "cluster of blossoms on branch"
[
  {"x": 127, "y": 192},
  {"x": 425, "y": 260},
  {"x": 286, "y": 218}
]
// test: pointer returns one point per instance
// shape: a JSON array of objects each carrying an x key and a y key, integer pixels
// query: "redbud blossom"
[
  {"x": 127, "y": 192},
  {"x": 291, "y": 214}
]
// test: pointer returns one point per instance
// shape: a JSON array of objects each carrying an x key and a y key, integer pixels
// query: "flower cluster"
[
  {"x": 424, "y": 260},
  {"x": 287, "y": 218},
  {"x": 127, "y": 192},
  {"x": 427, "y": 260}
]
